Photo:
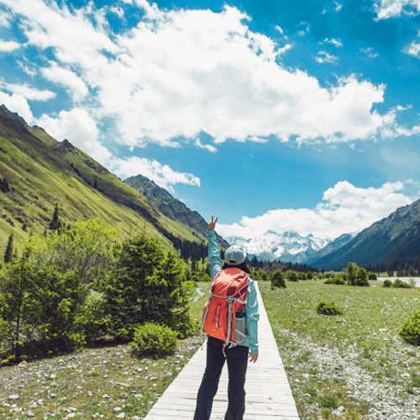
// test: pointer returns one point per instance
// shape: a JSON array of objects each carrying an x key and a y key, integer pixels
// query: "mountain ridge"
[
  {"x": 388, "y": 243},
  {"x": 42, "y": 171}
]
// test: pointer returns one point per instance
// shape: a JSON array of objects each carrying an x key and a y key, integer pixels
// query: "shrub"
[
  {"x": 387, "y": 283},
  {"x": 309, "y": 275},
  {"x": 151, "y": 339},
  {"x": 372, "y": 276},
  {"x": 402, "y": 284},
  {"x": 410, "y": 331},
  {"x": 335, "y": 280},
  {"x": 278, "y": 279},
  {"x": 328, "y": 308},
  {"x": 292, "y": 276}
]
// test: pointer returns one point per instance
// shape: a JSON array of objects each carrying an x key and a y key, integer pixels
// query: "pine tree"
[
  {"x": 8, "y": 254},
  {"x": 4, "y": 185},
  {"x": 55, "y": 223}
]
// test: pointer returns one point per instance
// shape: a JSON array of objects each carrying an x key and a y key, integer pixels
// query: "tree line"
[{"x": 82, "y": 285}]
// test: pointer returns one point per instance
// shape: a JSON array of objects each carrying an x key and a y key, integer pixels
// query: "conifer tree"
[
  {"x": 8, "y": 254},
  {"x": 56, "y": 223}
]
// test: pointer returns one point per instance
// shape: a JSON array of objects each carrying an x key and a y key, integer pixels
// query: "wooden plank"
[{"x": 268, "y": 394}]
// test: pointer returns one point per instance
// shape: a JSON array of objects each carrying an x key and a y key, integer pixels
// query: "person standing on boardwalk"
[{"x": 230, "y": 321}]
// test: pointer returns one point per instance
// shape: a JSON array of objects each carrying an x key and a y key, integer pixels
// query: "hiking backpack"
[{"x": 222, "y": 313}]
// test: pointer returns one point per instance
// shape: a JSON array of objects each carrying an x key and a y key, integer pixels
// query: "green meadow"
[{"x": 349, "y": 365}]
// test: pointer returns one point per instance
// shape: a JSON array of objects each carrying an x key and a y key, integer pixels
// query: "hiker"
[{"x": 232, "y": 341}]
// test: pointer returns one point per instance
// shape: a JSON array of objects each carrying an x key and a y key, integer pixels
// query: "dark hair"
[{"x": 242, "y": 266}]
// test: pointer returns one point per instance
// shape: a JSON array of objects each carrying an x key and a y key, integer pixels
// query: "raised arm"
[
  {"x": 252, "y": 317},
  {"x": 213, "y": 250}
]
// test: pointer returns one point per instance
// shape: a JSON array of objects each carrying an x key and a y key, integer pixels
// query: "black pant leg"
[
  {"x": 210, "y": 381},
  {"x": 237, "y": 362}
]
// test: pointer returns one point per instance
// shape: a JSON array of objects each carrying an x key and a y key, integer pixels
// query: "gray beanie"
[{"x": 235, "y": 255}]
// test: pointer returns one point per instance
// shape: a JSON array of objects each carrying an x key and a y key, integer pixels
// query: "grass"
[
  {"x": 40, "y": 174},
  {"x": 106, "y": 382},
  {"x": 366, "y": 335}
]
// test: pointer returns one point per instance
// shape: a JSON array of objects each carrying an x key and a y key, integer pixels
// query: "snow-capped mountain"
[{"x": 286, "y": 246}]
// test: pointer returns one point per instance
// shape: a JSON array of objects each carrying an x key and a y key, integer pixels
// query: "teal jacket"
[{"x": 252, "y": 313}]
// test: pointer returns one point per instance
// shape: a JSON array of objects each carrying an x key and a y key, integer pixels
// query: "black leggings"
[{"x": 237, "y": 362}]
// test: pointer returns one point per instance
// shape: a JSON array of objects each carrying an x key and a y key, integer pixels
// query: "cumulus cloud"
[
  {"x": 344, "y": 208},
  {"x": 28, "y": 92},
  {"x": 17, "y": 103},
  {"x": 78, "y": 126},
  {"x": 8, "y": 46},
  {"x": 180, "y": 73},
  {"x": 162, "y": 175},
  {"x": 386, "y": 9},
  {"x": 66, "y": 78}
]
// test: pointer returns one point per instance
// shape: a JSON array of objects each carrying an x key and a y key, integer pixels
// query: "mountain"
[
  {"x": 287, "y": 246},
  {"x": 388, "y": 243},
  {"x": 171, "y": 207},
  {"x": 331, "y": 247},
  {"x": 37, "y": 171}
]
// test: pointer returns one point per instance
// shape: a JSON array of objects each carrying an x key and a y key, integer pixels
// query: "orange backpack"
[{"x": 227, "y": 297}]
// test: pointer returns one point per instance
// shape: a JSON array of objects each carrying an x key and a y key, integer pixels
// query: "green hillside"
[{"x": 37, "y": 171}]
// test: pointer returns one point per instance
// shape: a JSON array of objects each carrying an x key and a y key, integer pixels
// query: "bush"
[
  {"x": 372, "y": 276},
  {"x": 410, "y": 331},
  {"x": 402, "y": 284},
  {"x": 277, "y": 279},
  {"x": 335, "y": 280},
  {"x": 328, "y": 308},
  {"x": 387, "y": 283},
  {"x": 151, "y": 339},
  {"x": 292, "y": 276},
  {"x": 356, "y": 276}
]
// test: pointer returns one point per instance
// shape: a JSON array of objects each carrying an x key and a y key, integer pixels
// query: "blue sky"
[{"x": 277, "y": 115}]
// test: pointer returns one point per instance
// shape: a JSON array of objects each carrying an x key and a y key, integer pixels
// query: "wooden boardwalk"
[{"x": 268, "y": 394}]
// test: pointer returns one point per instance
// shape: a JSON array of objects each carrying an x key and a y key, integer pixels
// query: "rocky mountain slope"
[
  {"x": 388, "y": 243},
  {"x": 168, "y": 205}
]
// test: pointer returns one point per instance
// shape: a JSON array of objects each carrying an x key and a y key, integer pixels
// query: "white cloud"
[
  {"x": 66, "y": 78},
  {"x": 279, "y": 29},
  {"x": 28, "y": 92},
  {"x": 80, "y": 128},
  {"x": 182, "y": 72},
  {"x": 8, "y": 46},
  {"x": 369, "y": 52},
  {"x": 337, "y": 6},
  {"x": 323, "y": 57},
  {"x": 344, "y": 208},
  {"x": 333, "y": 41},
  {"x": 163, "y": 175},
  {"x": 414, "y": 48},
  {"x": 389, "y": 8},
  {"x": 17, "y": 103},
  {"x": 4, "y": 19}
]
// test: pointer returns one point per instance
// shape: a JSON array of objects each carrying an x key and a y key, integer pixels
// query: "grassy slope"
[
  {"x": 107, "y": 381},
  {"x": 366, "y": 336},
  {"x": 39, "y": 170}
]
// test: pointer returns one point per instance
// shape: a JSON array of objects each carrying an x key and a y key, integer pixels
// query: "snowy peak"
[{"x": 287, "y": 246}]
